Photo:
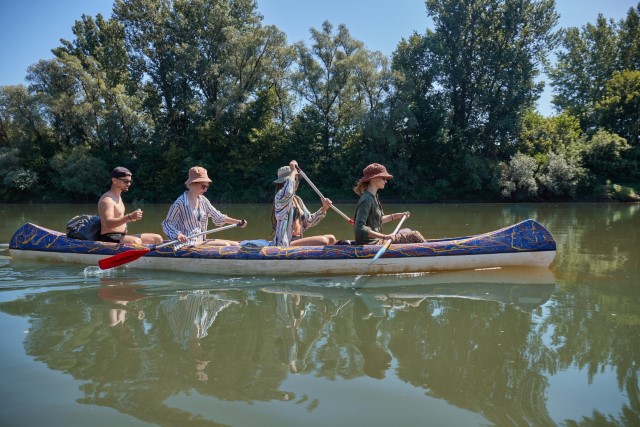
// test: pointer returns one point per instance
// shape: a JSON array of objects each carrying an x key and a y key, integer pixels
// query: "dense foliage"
[{"x": 164, "y": 85}]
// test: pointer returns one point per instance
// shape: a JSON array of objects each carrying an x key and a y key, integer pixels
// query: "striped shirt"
[
  {"x": 182, "y": 218},
  {"x": 190, "y": 315},
  {"x": 284, "y": 204}
]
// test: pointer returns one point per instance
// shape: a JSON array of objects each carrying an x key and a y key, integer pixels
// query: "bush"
[
  {"x": 9, "y": 160},
  {"x": 561, "y": 175},
  {"x": 616, "y": 192},
  {"x": 80, "y": 173},
  {"x": 605, "y": 155},
  {"x": 517, "y": 179},
  {"x": 23, "y": 180}
]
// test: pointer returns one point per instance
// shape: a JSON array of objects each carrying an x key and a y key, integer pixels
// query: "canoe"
[{"x": 525, "y": 244}]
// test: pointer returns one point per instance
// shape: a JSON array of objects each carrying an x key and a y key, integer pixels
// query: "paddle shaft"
[
  {"x": 132, "y": 255},
  {"x": 380, "y": 252},
  {"x": 213, "y": 230},
  {"x": 388, "y": 242},
  {"x": 338, "y": 211}
]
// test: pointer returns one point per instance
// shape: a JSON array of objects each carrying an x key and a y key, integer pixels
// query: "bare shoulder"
[
  {"x": 106, "y": 202},
  {"x": 106, "y": 199}
]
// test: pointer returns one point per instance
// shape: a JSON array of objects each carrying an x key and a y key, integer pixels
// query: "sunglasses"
[
  {"x": 205, "y": 186},
  {"x": 124, "y": 181}
]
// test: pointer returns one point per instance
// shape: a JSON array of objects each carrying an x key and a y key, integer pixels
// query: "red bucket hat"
[{"x": 374, "y": 170}]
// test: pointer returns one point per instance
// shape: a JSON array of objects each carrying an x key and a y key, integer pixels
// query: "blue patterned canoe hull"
[{"x": 526, "y": 244}]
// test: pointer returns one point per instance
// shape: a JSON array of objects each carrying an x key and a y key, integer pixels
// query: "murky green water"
[{"x": 499, "y": 347}]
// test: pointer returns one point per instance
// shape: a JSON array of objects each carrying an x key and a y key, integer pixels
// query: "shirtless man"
[{"x": 113, "y": 220}]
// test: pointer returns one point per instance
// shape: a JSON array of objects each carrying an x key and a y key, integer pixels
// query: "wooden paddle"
[
  {"x": 382, "y": 250},
  {"x": 384, "y": 247},
  {"x": 134, "y": 254},
  {"x": 322, "y": 197}
]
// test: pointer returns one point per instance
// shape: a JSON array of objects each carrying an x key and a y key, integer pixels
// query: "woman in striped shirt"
[
  {"x": 190, "y": 213},
  {"x": 290, "y": 217}
]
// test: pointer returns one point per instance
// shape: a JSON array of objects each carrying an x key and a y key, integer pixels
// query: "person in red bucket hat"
[
  {"x": 369, "y": 215},
  {"x": 190, "y": 213}
]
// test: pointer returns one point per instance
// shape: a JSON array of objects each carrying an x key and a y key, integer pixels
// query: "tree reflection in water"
[
  {"x": 241, "y": 344},
  {"x": 495, "y": 346}
]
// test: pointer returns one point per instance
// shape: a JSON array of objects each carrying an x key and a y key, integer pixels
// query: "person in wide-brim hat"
[
  {"x": 197, "y": 174},
  {"x": 369, "y": 215},
  {"x": 375, "y": 170},
  {"x": 290, "y": 217},
  {"x": 190, "y": 213}
]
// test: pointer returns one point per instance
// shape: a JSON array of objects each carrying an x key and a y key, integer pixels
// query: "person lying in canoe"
[
  {"x": 190, "y": 213},
  {"x": 369, "y": 216},
  {"x": 290, "y": 217},
  {"x": 113, "y": 219}
]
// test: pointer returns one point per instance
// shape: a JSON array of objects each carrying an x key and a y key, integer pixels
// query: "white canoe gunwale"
[{"x": 310, "y": 267}]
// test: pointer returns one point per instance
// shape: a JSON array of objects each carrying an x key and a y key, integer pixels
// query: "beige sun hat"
[
  {"x": 283, "y": 173},
  {"x": 197, "y": 174}
]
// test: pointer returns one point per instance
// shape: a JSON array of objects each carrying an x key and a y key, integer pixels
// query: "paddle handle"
[
  {"x": 338, "y": 211},
  {"x": 213, "y": 230}
]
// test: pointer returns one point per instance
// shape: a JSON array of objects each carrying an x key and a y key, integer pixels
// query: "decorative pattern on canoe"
[{"x": 526, "y": 236}]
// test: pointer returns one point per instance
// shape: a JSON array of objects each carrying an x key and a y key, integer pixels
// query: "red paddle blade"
[{"x": 122, "y": 258}]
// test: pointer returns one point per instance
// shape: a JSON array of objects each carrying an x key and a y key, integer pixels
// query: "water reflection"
[
  {"x": 134, "y": 344},
  {"x": 507, "y": 347}
]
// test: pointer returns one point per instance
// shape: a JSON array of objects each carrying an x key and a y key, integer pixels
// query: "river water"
[{"x": 554, "y": 346}]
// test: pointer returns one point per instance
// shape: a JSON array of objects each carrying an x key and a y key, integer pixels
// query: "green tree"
[
  {"x": 30, "y": 140},
  {"x": 605, "y": 156},
  {"x": 560, "y": 134},
  {"x": 97, "y": 59},
  {"x": 411, "y": 138},
  {"x": 238, "y": 68},
  {"x": 325, "y": 79},
  {"x": 488, "y": 55},
  {"x": 151, "y": 42},
  {"x": 81, "y": 174},
  {"x": 618, "y": 108},
  {"x": 22, "y": 117},
  {"x": 211, "y": 75},
  {"x": 103, "y": 41},
  {"x": 59, "y": 97},
  {"x": 585, "y": 63},
  {"x": 629, "y": 40},
  {"x": 229, "y": 57},
  {"x": 557, "y": 144}
]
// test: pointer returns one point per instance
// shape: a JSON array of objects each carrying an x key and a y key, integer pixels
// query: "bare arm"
[{"x": 394, "y": 216}]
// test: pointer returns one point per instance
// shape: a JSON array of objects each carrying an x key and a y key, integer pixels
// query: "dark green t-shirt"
[{"x": 368, "y": 217}]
